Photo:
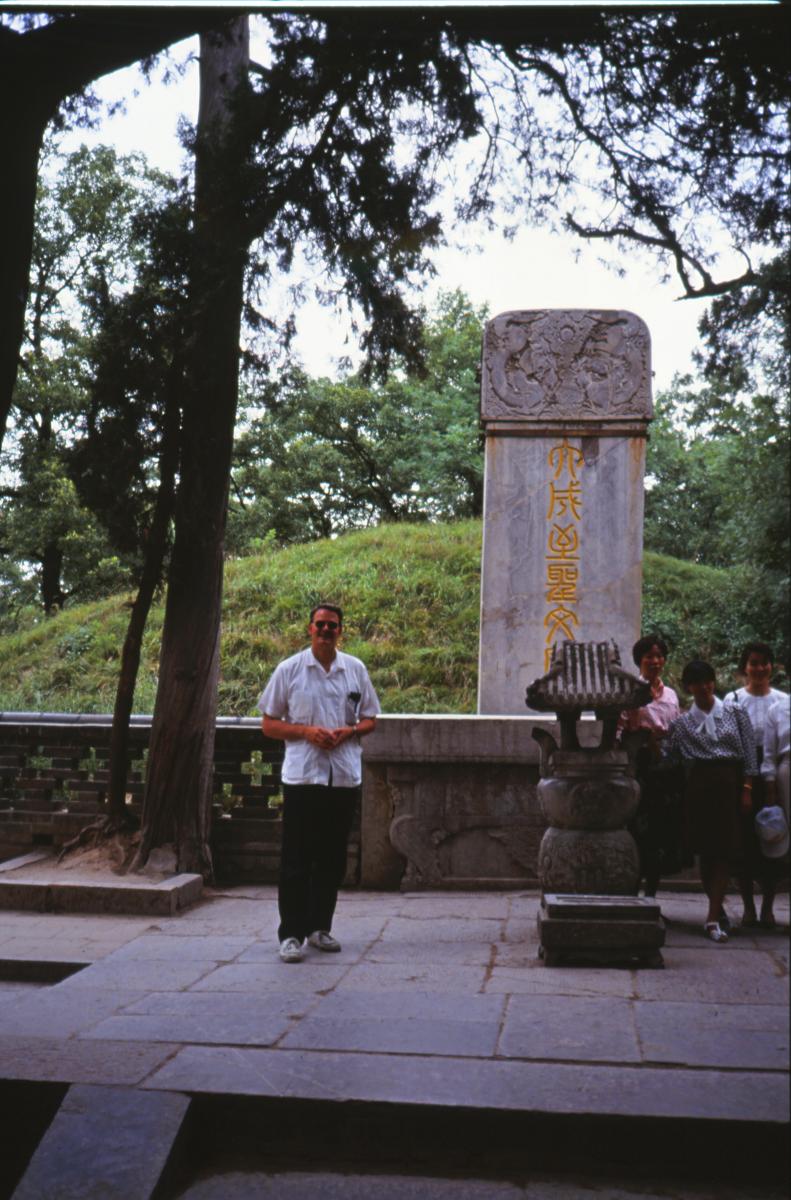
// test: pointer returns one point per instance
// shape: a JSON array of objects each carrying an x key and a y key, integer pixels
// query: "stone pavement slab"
[
  {"x": 371, "y": 976},
  {"x": 584, "y": 1029},
  {"x": 406, "y": 930},
  {"x": 198, "y": 1018},
  {"x": 139, "y": 974},
  {"x": 54, "y": 1013},
  {"x": 320, "y": 973},
  {"x": 396, "y": 1035},
  {"x": 412, "y": 1003},
  {"x": 126, "y": 1137},
  {"x": 734, "y": 976},
  {"x": 161, "y": 947},
  {"x": 747, "y": 1036},
  {"x": 260, "y": 1029},
  {"x": 435, "y": 906},
  {"x": 437, "y": 1001},
  {"x": 60, "y": 1060},
  {"x": 238, "y": 1005},
  {"x": 529, "y": 976},
  {"x": 427, "y": 953},
  {"x": 557, "y": 1088}
]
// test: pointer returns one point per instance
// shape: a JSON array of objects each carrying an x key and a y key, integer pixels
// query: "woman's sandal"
[{"x": 712, "y": 931}]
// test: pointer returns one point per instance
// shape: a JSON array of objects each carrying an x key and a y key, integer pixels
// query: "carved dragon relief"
[
  {"x": 566, "y": 364},
  {"x": 419, "y": 836}
]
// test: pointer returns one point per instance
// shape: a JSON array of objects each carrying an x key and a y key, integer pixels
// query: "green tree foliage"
[
  {"x": 137, "y": 358},
  {"x": 86, "y": 251},
  {"x": 673, "y": 121},
  {"x": 47, "y": 61},
  {"x": 315, "y": 457},
  {"x": 719, "y": 466}
]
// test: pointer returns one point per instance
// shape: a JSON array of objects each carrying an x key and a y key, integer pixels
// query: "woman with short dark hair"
[
  {"x": 756, "y": 699},
  {"x": 653, "y": 826},
  {"x": 715, "y": 744}
]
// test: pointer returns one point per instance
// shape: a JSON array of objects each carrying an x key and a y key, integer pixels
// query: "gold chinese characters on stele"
[
  {"x": 565, "y": 408},
  {"x": 563, "y": 545}
]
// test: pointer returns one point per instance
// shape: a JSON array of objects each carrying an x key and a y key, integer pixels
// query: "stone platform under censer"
[{"x": 600, "y": 931}]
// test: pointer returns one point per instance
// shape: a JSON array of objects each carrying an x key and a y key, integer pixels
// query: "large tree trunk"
[
  {"x": 149, "y": 579},
  {"x": 20, "y": 146},
  {"x": 177, "y": 803},
  {"x": 52, "y": 594}
]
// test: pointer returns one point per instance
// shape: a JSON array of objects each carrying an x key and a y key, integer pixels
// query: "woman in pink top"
[{"x": 656, "y": 826}]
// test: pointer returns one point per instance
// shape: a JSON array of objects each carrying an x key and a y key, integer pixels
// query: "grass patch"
[{"x": 411, "y": 598}]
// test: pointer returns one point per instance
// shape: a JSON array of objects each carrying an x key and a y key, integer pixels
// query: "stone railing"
[
  {"x": 448, "y": 801},
  {"x": 53, "y": 781}
]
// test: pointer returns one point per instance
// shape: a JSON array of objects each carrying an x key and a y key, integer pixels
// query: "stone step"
[
  {"x": 490, "y": 1115},
  {"x": 140, "y": 897},
  {"x": 217, "y": 1121},
  {"x": 105, "y": 1141}
]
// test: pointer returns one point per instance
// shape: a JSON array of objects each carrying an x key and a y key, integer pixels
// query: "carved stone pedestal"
[
  {"x": 587, "y": 801},
  {"x": 577, "y": 930},
  {"x": 588, "y": 862}
]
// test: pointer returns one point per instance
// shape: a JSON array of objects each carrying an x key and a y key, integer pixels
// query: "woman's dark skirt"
[
  {"x": 754, "y": 864},
  {"x": 712, "y": 809}
]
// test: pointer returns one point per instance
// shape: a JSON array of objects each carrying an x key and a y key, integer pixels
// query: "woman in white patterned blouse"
[
  {"x": 716, "y": 746},
  {"x": 757, "y": 698}
]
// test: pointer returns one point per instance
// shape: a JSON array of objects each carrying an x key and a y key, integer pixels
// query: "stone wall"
[
  {"x": 448, "y": 801},
  {"x": 53, "y": 781}
]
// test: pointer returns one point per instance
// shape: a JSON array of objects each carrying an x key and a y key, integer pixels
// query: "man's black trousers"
[{"x": 316, "y": 824}]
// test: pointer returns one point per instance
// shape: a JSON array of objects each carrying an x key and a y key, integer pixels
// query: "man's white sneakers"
[
  {"x": 324, "y": 941},
  {"x": 292, "y": 950}
]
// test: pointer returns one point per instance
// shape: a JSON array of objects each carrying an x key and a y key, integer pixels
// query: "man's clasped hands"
[{"x": 328, "y": 739}]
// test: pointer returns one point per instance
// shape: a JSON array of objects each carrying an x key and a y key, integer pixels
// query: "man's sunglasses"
[{"x": 326, "y": 624}]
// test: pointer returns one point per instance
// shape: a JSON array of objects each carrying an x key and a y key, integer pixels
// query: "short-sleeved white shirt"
[
  {"x": 756, "y": 707},
  {"x": 777, "y": 736},
  {"x": 301, "y": 692}
]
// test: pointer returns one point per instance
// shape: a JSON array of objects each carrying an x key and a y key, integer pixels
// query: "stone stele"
[{"x": 565, "y": 406}]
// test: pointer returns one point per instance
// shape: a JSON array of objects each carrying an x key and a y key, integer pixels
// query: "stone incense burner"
[{"x": 588, "y": 795}]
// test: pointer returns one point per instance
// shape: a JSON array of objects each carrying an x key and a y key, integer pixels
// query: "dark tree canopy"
[
  {"x": 672, "y": 121},
  {"x": 47, "y": 62}
]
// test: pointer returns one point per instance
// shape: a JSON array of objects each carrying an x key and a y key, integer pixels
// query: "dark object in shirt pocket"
[{"x": 353, "y": 707}]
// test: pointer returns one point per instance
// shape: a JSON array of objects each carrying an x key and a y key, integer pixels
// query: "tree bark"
[
  {"x": 52, "y": 594},
  {"x": 149, "y": 579},
  {"x": 177, "y": 802}
]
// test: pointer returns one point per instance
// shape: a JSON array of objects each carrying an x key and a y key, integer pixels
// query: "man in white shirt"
[{"x": 320, "y": 702}]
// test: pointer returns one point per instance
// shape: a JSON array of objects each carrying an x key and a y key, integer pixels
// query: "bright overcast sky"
[{"x": 534, "y": 270}]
